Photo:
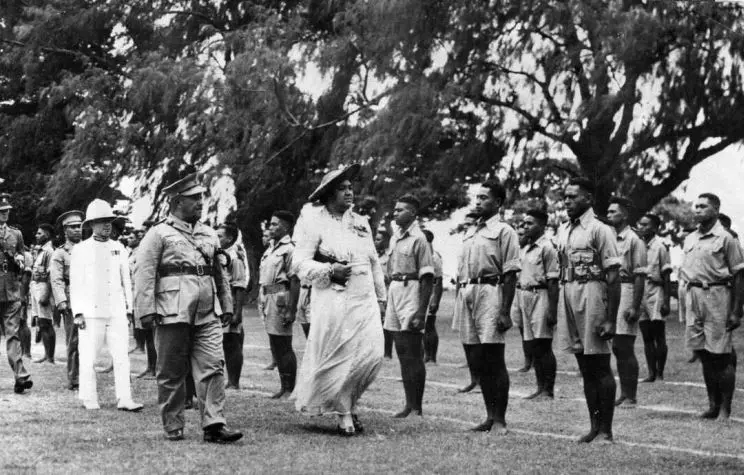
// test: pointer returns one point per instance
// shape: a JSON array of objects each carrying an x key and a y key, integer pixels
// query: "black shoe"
[
  {"x": 174, "y": 435},
  {"x": 220, "y": 434},
  {"x": 21, "y": 386},
  {"x": 357, "y": 424}
]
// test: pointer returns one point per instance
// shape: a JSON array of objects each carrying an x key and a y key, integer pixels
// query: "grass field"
[{"x": 47, "y": 431}]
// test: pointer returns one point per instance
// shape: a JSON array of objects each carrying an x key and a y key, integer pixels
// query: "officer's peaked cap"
[
  {"x": 187, "y": 186},
  {"x": 70, "y": 217},
  {"x": 5, "y": 201}
]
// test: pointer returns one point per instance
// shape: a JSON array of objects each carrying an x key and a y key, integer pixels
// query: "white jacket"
[{"x": 100, "y": 284}]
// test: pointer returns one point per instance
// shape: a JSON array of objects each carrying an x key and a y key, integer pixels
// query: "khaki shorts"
[
  {"x": 45, "y": 312},
  {"x": 581, "y": 307},
  {"x": 626, "y": 302},
  {"x": 706, "y": 314},
  {"x": 530, "y": 313},
  {"x": 653, "y": 298},
  {"x": 476, "y": 308},
  {"x": 273, "y": 309},
  {"x": 402, "y": 305}
]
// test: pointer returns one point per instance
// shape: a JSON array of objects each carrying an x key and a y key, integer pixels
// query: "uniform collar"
[
  {"x": 585, "y": 218},
  {"x": 492, "y": 222},
  {"x": 285, "y": 240},
  {"x": 47, "y": 246},
  {"x": 624, "y": 234},
  {"x": 412, "y": 228},
  {"x": 651, "y": 241},
  {"x": 67, "y": 246},
  {"x": 716, "y": 230},
  {"x": 180, "y": 224},
  {"x": 537, "y": 242}
]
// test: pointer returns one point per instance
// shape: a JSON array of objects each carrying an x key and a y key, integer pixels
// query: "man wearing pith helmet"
[
  {"x": 182, "y": 290},
  {"x": 12, "y": 262}
]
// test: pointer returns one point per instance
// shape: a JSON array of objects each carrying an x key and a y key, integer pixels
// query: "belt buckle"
[
  {"x": 705, "y": 285},
  {"x": 199, "y": 270}
]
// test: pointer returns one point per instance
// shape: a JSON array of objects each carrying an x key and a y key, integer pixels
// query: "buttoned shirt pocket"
[
  {"x": 403, "y": 257},
  {"x": 167, "y": 296}
]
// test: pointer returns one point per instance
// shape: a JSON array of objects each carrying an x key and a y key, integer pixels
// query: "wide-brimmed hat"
[
  {"x": 333, "y": 177},
  {"x": 99, "y": 210},
  {"x": 70, "y": 217},
  {"x": 5, "y": 201},
  {"x": 187, "y": 186}
]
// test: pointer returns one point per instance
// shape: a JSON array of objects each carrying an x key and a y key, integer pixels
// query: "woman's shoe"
[
  {"x": 346, "y": 431},
  {"x": 358, "y": 427}
]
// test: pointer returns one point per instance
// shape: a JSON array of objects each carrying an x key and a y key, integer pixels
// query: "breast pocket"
[{"x": 167, "y": 296}]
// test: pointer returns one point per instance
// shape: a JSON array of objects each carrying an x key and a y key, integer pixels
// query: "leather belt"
[
  {"x": 706, "y": 285},
  {"x": 306, "y": 286},
  {"x": 275, "y": 288},
  {"x": 532, "y": 288},
  {"x": 490, "y": 280},
  {"x": 186, "y": 269},
  {"x": 582, "y": 280},
  {"x": 627, "y": 280},
  {"x": 404, "y": 277}
]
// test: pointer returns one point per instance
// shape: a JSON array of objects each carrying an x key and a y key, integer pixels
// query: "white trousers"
[{"x": 115, "y": 333}]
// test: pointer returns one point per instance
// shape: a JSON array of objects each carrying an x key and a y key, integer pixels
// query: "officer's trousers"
[
  {"x": 71, "y": 339},
  {"x": 11, "y": 312},
  {"x": 179, "y": 344},
  {"x": 115, "y": 333}
]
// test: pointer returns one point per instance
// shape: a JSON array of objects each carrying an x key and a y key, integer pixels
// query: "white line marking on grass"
[{"x": 553, "y": 435}]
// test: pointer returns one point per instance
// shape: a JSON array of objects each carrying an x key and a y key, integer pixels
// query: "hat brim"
[
  {"x": 100, "y": 218},
  {"x": 5, "y": 208},
  {"x": 197, "y": 190},
  {"x": 348, "y": 173}
]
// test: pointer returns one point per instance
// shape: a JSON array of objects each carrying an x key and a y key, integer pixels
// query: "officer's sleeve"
[
  {"x": 57, "y": 275},
  {"x": 639, "y": 257},
  {"x": 550, "y": 262},
  {"x": 509, "y": 250},
  {"x": 734, "y": 254},
  {"x": 126, "y": 277},
  {"x": 606, "y": 244},
  {"x": 145, "y": 272},
  {"x": 424, "y": 256}
]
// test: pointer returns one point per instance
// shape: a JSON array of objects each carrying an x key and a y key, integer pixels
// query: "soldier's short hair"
[
  {"x": 725, "y": 220},
  {"x": 429, "y": 235},
  {"x": 410, "y": 200},
  {"x": 654, "y": 218},
  {"x": 48, "y": 228},
  {"x": 584, "y": 184},
  {"x": 285, "y": 216},
  {"x": 496, "y": 188},
  {"x": 538, "y": 214},
  {"x": 621, "y": 201},
  {"x": 712, "y": 199}
]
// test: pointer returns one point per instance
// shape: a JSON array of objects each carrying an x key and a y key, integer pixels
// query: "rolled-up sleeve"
[
  {"x": 734, "y": 255},
  {"x": 640, "y": 259},
  {"x": 424, "y": 256},
  {"x": 550, "y": 262},
  {"x": 607, "y": 247}
]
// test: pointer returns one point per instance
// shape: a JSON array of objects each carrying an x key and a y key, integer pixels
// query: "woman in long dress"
[{"x": 335, "y": 252}]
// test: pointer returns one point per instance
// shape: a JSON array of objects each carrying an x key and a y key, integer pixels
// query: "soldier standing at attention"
[
  {"x": 41, "y": 292},
  {"x": 278, "y": 286},
  {"x": 180, "y": 287},
  {"x": 59, "y": 273},
  {"x": 589, "y": 298},
  {"x": 536, "y": 300},
  {"x": 632, "y": 251},
  {"x": 655, "y": 306},
  {"x": 12, "y": 263},
  {"x": 411, "y": 271},
  {"x": 233, "y": 334},
  {"x": 487, "y": 279},
  {"x": 712, "y": 269},
  {"x": 431, "y": 337}
]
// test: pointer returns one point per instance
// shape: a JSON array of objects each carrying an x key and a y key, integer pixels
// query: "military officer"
[
  {"x": 588, "y": 302},
  {"x": 487, "y": 279},
  {"x": 655, "y": 305},
  {"x": 536, "y": 301},
  {"x": 59, "y": 274},
  {"x": 12, "y": 264},
  {"x": 279, "y": 288},
  {"x": 180, "y": 288},
  {"x": 411, "y": 271},
  {"x": 232, "y": 333},
  {"x": 40, "y": 289},
  {"x": 712, "y": 269},
  {"x": 632, "y": 251},
  {"x": 431, "y": 337}
]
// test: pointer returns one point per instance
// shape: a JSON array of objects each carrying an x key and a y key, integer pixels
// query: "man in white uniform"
[{"x": 101, "y": 297}]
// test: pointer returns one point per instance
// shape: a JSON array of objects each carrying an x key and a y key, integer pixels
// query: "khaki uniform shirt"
[
  {"x": 276, "y": 262},
  {"x": 186, "y": 298},
  {"x": 59, "y": 273},
  {"x": 410, "y": 253},
  {"x": 658, "y": 260},
  {"x": 490, "y": 248},
  {"x": 632, "y": 249},
  {"x": 711, "y": 257},
  {"x": 539, "y": 263},
  {"x": 11, "y": 240},
  {"x": 40, "y": 273},
  {"x": 238, "y": 280}
]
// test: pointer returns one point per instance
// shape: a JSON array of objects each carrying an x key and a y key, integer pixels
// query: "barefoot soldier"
[
  {"x": 712, "y": 269},
  {"x": 278, "y": 308},
  {"x": 487, "y": 279},
  {"x": 180, "y": 288},
  {"x": 655, "y": 306},
  {"x": 536, "y": 301},
  {"x": 588, "y": 302},
  {"x": 40, "y": 290},
  {"x": 411, "y": 271},
  {"x": 632, "y": 280},
  {"x": 59, "y": 273}
]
